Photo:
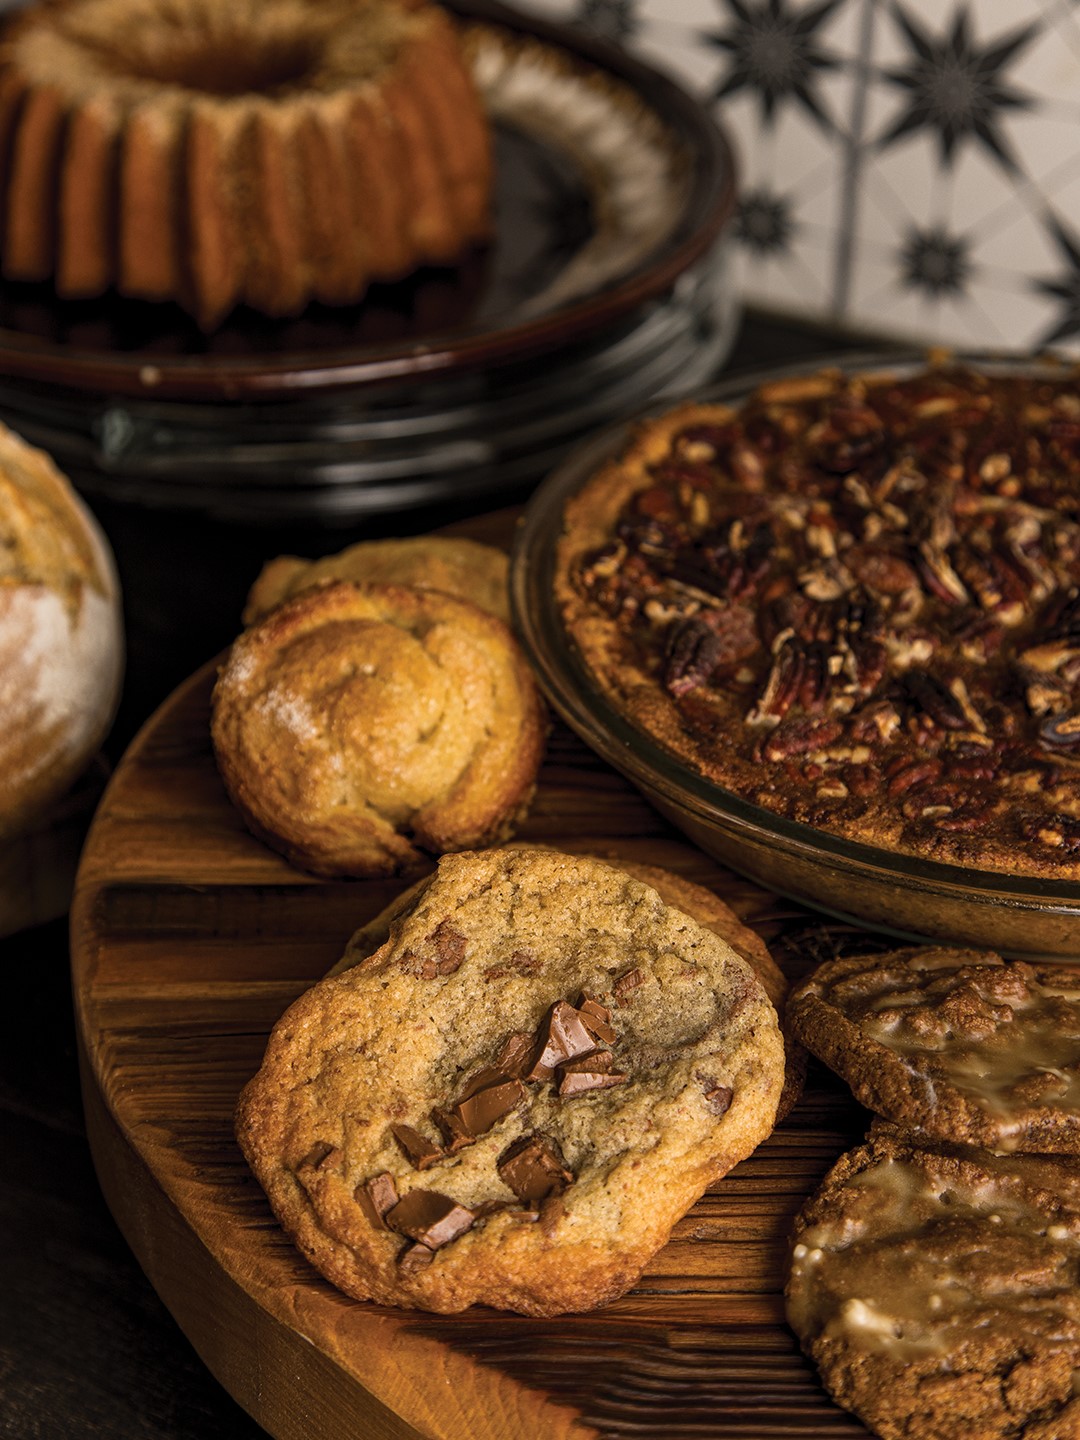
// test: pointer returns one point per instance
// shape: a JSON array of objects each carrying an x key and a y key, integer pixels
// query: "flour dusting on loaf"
[{"x": 61, "y": 641}]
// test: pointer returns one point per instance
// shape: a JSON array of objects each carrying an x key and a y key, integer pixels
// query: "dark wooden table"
[{"x": 86, "y": 1347}]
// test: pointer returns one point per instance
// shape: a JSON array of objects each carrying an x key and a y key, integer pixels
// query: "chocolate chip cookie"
[
  {"x": 959, "y": 1043},
  {"x": 694, "y": 900},
  {"x": 936, "y": 1291},
  {"x": 513, "y": 1100}
]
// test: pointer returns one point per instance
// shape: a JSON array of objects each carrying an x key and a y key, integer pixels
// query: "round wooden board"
[{"x": 189, "y": 938}]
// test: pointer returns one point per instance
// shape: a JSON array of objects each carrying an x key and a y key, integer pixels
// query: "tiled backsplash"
[{"x": 906, "y": 166}]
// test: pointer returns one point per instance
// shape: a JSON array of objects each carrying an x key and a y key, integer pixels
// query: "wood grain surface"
[
  {"x": 38, "y": 865},
  {"x": 190, "y": 938}
]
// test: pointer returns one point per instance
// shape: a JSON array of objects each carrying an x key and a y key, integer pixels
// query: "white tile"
[
  {"x": 1018, "y": 247},
  {"x": 1047, "y": 69},
  {"x": 678, "y": 56},
  {"x": 689, "y": 16},
  {"x": 1047, "y": 147}
]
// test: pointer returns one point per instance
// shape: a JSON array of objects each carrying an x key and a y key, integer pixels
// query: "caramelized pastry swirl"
[{"x": 359, "y": 727}]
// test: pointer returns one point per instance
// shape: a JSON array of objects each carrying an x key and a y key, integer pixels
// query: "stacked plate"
[{"x": 605, "y": 287}]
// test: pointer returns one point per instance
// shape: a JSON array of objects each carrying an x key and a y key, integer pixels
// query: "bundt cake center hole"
[{"x": 219, "y": 68}]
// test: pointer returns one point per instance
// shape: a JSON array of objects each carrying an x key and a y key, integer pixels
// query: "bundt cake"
[{"x": 219, "y": 152}]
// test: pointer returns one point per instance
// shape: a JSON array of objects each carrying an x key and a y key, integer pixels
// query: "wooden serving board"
[{"x": 189, "y": 938}]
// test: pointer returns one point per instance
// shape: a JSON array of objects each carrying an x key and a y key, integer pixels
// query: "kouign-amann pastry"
[
  {"x": 218, "y": 152},
  {"x": 682, "y": 894},
  {"x": 853, "y": 602},
  {"x": 936, "y": 1291},
  {"x": 958, "y": 1043},
  {"x": 359, "y": 728},
  {"x": 514, "y": 1099},
  {"x": 61, "y": 634},
  {"x": 461, "y": 567}
]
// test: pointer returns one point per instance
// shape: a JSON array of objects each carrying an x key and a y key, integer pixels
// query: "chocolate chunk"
[
  {"x": 318, "y": 1155},
  {"x": 587, "y": 1003},
  {"x": 589, "y": 1072},
  {"x": 533, "y": 1168},
  {"x": 414, "y": 1257},
  {"x": 429, "y": 1217},
  {"x": 449, "y": 946},
  {"x": 521, "y": 962},
  {"x": 596, "y": 1018},
  {"x": 445, "y": 956},
  {"x": 456, "y": 1134},
  {"x": 376, "y": 1196},
  {"x": 481, "y": 1079},
  {"x": 628, "y": 982},
  {"x": 490, "y": 1207},
  {"x": 717, "y": 1097},
  {"x": 412, "y": 964},
  {"x": 598, "y": 1060},
  {"x": 513, "y": 1058},
  {"x": 560, "y": 1037},
  {"x": 552, "y": 1214},
  {"x": 419, "y": 1150},
  {"x": 524, "y": 962},
  {"x": 479, "y": 1112},
  {"x": 497, "y": 1207}
]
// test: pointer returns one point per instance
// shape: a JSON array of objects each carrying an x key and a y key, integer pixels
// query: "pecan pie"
[{"x": 855, "y": 601}]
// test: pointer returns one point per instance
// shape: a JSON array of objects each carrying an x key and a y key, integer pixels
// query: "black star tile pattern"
[
  {"x": 957, "y": 90},
  {"x": 613, "y": 19},
  {"x": 776, "y": 54},
  {"x": 934, "y": 262},
  {"x": 905, "y": 165},
  {"x": 763, "y": 222},
  {"x": 1065, "y": 287}
]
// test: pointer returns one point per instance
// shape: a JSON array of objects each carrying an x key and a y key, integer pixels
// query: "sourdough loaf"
[{"x": 61, "y": 639}]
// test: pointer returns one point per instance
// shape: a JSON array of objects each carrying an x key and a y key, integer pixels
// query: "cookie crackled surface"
[
  {"x": 513, "y": 1100},
  {"x": 935, "y": 1287},
  {"x": 957, "y": 1043},
  {"x": 360, "y": 728}
]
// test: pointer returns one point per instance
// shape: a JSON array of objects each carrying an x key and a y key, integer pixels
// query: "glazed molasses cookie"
[
  {"x": 936, "y": 1291},
  {"x": 675, "y": 890},
  {"x": 465, "y": 568},
  {"x": 959, "y": 1043},
  {"x": 514, "y": 1099},
  {"x": 359, "y": 727}
]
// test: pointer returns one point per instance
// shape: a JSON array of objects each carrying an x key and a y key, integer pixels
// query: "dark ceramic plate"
[{"x": 611, "y": 182}]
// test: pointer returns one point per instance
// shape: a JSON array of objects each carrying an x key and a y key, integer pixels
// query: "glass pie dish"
[{"x": 898, "y": 893}]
